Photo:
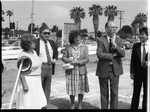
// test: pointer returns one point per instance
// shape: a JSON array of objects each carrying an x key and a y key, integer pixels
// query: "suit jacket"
[
  {"x": 55, "y": 51},
  {"x": 104, "y": 57},
  {"x": 83, "y": 59},
  {"x": 135, "y": 66}
]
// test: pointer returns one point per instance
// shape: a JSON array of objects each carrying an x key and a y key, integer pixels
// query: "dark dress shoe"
[{"x": 43, "y": 108}]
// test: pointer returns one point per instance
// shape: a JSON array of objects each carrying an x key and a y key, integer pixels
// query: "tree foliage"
[
  {"x": 59, "y": 33},
  {"x": 84, "y": 31},
  {"x": 111, "y": 12},
  {"x": 77, "y": 13},
  {"x": 33, "y": 27},
  {"x": 140, "y": 18},
  {"x": 44, "y": 25},
  {"x": 54, "y": 29},
  {"x": 6, "y": 32},
  {"x": 95, "y": 11},
  {"x": 9, "y": 14},
  {"x": 2, "y": 13}
]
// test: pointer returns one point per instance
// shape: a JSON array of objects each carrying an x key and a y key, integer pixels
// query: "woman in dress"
[
  {"x": 76, "y": 79},
  {"x": 30, "y": 94}
]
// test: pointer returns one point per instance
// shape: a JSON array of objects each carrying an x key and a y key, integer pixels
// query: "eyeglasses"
[
  {"x": 46, "y": 33},
  {"x": 113, "y": 27}
]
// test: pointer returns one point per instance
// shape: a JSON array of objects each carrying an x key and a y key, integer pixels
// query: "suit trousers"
[
  {"x": 139, "y": 80},
  {"x": 46, "y": 77},
  {"x": 104, "y": 90}
]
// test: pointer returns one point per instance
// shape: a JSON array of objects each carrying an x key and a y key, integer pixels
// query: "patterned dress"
[{"x": 76, "y": 83}]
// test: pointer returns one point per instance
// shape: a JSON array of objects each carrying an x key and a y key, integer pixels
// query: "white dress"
[{"x": 35, "y": 97}]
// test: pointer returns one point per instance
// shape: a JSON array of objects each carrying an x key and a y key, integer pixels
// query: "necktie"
[
  {"x": 47, "y": 54},
  {"x": 110, "y": 45},
  {"x": 143, "y": 58}
]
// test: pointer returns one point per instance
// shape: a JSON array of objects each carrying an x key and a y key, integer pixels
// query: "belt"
[
  {"x": 33, "y": 75},
  {"x": 47, "y": 64}
]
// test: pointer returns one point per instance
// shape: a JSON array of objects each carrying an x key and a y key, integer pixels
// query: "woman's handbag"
[{"x": 67, "y": 66}]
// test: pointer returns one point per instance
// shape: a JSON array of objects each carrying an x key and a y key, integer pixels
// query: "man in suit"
[
  {"x": 138, "y": 69},
  {"x": 110, "y": 50},
  {"x": 48, "y": 55}
]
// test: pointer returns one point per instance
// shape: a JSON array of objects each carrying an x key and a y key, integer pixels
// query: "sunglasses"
[
  {"x": 113, "y": 27},
  {"x": 46, "y": 33}
]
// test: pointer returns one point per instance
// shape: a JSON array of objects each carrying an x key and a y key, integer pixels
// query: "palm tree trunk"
[
  {"x": 140, "y": 25},
  {"x": 9, "y": 21},
  {"x": 78, "y": 22},
  {"x": 95, "y": 24},
  {"x": 95, "y": 34},
  {"x": 110, "y": 18}
]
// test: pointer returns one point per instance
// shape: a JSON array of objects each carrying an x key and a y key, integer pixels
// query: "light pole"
[
  {"x": 32, "y": 17},
  {"x": 120, "y": 13}
]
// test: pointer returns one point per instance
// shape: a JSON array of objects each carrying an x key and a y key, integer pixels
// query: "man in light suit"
[
  {"x": 138, "y": 69},
  {"x": 47, "y": 69},
  {"x": 110, "y": 50}
]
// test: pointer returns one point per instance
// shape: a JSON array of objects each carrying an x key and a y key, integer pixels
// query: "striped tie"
[{"x": 47, "y": 53}]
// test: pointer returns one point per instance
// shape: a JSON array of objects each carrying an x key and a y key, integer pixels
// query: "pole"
[
  {"x": 62, "y": 39},
  {"x": 14, "y": 24},
  {"x": 17, "y": 26},
  {"x": 14, "y": 90},
  {"x": 32, "y": 17},
  {"x": 120, "y": 13}
]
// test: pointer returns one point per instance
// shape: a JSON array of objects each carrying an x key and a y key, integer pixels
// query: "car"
[
  {"x": 16, "y": 43},
  {"x": 11, "y": 52}
]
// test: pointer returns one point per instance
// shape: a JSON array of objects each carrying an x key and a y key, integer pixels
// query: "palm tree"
[
  {"x": 2, "y": 13},
  {"x": 95, "y": 11},
  {"x": 141, "y": 18},
  {"x": 77, "y": 13},
  {"x": 9, "y": 13},
  {"x": 134, "y": 25},
  {"x": 111, "y": 11}
]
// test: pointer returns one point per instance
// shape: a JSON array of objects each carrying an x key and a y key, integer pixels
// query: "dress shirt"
[
  {"x": 112, "y": 39},
  {"x": 146, "y": 48}
]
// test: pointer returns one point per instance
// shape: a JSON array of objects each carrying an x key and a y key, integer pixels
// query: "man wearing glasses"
[
  {"x": 47, "y": 51},
  {"x": 110, "y": 50}
]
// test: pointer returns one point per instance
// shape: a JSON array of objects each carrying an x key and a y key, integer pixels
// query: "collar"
[
  {"x": 146, "y": 43},
  {"x": 114, "y": 36},
  {"x": 80, "y": 45}
]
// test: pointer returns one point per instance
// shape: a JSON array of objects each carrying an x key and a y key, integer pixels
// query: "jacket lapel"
[
  {"x": 81, "y": 52},
  {"x": 37, "y": 48},
  {"x": 106, "y": 44},
  {"x": 139, "y": 50}
]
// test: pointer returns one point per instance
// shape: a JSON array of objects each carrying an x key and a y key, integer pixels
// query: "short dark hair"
[
  {"x": 43, "y": 28},
  {"x": 26, "y": 41},
  {"x": 145, "y": 30},
  {"x": 72, "y": 35}
]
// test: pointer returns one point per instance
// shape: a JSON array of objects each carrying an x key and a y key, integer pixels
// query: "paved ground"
[{"x": 59, "y": 98}]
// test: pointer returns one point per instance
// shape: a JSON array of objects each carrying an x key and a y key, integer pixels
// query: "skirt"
[
  {"x": 76, "y": 83},
  {"x": 34, "y": 98}
]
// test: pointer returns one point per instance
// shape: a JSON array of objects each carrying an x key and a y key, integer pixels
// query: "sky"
[{"x": 57, "y": 12}]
